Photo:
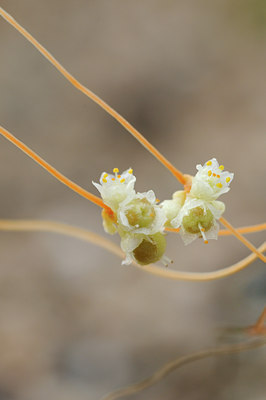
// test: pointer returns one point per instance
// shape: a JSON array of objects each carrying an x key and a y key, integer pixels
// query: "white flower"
[
  {"x": 197, "y": 218},
  {"x": 210, "y": 181},
  {"x": 141, "y": 215},
  {"x": 144, "y": 249},
  {"x": 212, "y": 233},
  {"x": 116, "y": 188}
]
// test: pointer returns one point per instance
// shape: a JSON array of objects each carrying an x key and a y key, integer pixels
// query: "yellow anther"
[
  {"x": 210, "y": 173},
  {"x": 104, "y": 180},
  {"x": 122, "y": 180},
  {"x": 228, "y": 179},
  {"x": 113, "y": 179},
  {"x": 219, "y": 185},
  {"x": 214, "y": 174},
  {"x": 130, "y": 171},
  {"x": 115, "y": 170},
  {"x": 206, "y": 241},
  {"x": 157, "y": 201},
  {"x": 118, "y": 176},
  {"x": 221, "y": 167},
  {"x": 209, "y": 163},
  {"x": 105, "y": 175},
  {"x": 218, "y": 176}
]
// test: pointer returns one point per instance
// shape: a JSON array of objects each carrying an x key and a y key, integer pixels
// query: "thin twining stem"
[
  {"x": 227, "y": 232},
  {"x": 83, "y": 234},
  {"x": 61, "y": 228},
  {"x": 242, "y": 238},
  {"x": 244, "y": 229},
  {"x": 137, "y": 135},
  {"x": 72, "y": 185},
  {"x": 180, "y": 362}
]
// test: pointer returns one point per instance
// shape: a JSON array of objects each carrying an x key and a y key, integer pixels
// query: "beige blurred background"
[{"x": 191, "y": 76}]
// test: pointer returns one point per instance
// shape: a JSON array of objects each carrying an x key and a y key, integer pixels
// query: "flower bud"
[{"x": 172, "y": 207}]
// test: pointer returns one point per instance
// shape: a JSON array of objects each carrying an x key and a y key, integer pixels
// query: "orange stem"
[
  {"x": 72, "y": 185},
  {"x": 242, "y": 239},
  {"x": 226, "y": 232},
  {"x": 244, "y": 229},
  {"x": 137, "y": 135}
]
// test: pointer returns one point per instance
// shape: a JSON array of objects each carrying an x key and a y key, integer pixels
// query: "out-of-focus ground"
[{"x": 191, "y": 76}]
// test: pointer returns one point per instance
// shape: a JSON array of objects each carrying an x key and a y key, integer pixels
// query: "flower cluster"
[
  {"x": 137, "y": 217},
  {"x": 200, "y": 211},
  {"x": 140, "y": 220}
]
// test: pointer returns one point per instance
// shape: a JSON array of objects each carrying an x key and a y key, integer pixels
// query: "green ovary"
[
  {"x": 140, "y": 213},
  {"x": 150, "y": 250},
  {"x": 197, "y": 216}
]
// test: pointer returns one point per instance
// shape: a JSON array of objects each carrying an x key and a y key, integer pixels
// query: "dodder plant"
[
  {"x": 138, "y": 217},
  {"x": 141, "y": 220}
]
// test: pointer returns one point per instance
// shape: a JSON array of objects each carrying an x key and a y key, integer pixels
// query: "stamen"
[
  {"x": 118, "y": 176},
  {"x": 202, "y": 230},
  {"x": 210, "y": 173},
  {"x": 214, "y": 174},
  {"x": 115, "y": 170},
  {"x": 130, "y": 171},
  {"x": 123, "y": 180},
  {"x": 104, "y": 180},
  {"x": 209, "y": 163},
  {"x": 218, "y": 176},
  {"x": 221, "y": 167},
  {"x": 105, "y": 175},
  {"x": 113, "y": 179},
  {"x": 228, "y": 179},
  {"x": 219, "y": 185}
]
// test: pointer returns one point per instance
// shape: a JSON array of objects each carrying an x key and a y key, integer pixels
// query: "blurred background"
[{"x": 190, "y": 75}]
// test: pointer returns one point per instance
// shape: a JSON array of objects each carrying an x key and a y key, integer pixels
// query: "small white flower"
[
  {"x": 197, "y": 218},
  {"x": 116, "y": 188},
  {"x": 141, "y": 215},
  {"x": 210, "y": 181},
  {"x": 212, "y": 233},
  {"x": 144, "y": 249}
]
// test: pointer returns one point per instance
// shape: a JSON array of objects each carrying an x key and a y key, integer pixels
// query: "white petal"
[{"x": 213, "y": 232}]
